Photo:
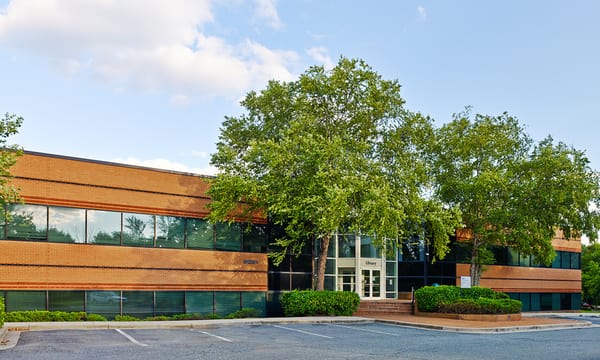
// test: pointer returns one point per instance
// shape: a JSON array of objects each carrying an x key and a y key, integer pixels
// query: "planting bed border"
[{"x": 472, "y": 317}]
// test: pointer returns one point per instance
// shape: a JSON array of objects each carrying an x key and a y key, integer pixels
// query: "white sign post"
[{"x": 465, "y": 282}]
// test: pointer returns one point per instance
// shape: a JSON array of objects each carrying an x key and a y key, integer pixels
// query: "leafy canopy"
[
  {"x": 512, "y": 192},
  {"x": 332, "y": 150},
  {"x": 9, "y": 125}
]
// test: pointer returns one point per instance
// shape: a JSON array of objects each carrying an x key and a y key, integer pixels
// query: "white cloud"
[
  {"x": 152, "y": 45},
  {"x": 200, "y": 154},
  {"x": 319, "y": 54},
  {"x": 422, "y": 12},
  {"x": 267, "y": 9},
  {"x": 165, "y": 164},
  {"x": 180, "y": 100}
]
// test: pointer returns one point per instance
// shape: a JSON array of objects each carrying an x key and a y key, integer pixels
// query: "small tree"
[
  {"x": 590, "y": 273},
  {"x": 510, "y": 191},
  {"x": 9, "y": 125},
  {"x": 333, "y": 150}
]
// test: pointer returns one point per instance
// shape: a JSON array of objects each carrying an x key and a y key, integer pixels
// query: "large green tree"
[
  {"x": 510, "y": 190},
  {"x": 590, "y": 273},
  {"x": 333, "y": 150},
  {"x": 9, "y": 125}
]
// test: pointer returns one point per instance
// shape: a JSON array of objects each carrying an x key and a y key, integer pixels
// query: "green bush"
[
  {"x": 95, "y": 317},
  {"x": 243, "y": 313},
  {"x": 194, "y": 316},
  {"x": 482, "y": 306},
  {"x": 44, "y": 316},
  {"x": 126, "y": 318},
  {"x": 2, "y": 313},
  {"x": 432, "y": 298},
  {"x": 310, "y": 303}
]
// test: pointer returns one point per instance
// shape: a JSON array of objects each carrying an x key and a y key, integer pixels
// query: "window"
[
  {"x": 256, "y": 300},
  {"x": 25, "y": 300},
  {"x": 105, "y": 303},
  {"x": 228, "y": 237},
  {"x": 138, "y": 230},
  {"x": 28, "y": 222},
  {"x": 170, "y": 232},
  {"x": 103, "y": 227},
  {"x": 347, "y": 246},
  {"x": 170, "y": 303},
  {"x": 65, "y": 301},
  {"x": 200, "y": 234},
  {"x": 368, "y": 249},
  {"x": 255, "y": 238},
  {"x": 66, "y": 225},
  {"x": 227, "y": 302},
  {"x": 139, "y": 303}
]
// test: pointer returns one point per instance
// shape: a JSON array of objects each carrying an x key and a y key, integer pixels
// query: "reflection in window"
[
  {"x": 228, "y": 236},
  {"x": 66, "y": 300},
  {"x": 170, "y": 231},
  {"x": 413, "y": 249},
  {"x": 347, "y": 246},
  {"x": 66, "y": 225},
  {"x": 104, "y": 227},
  {"x": 368, "y": 249},
  {"x": 138, "y": 230},
  {"x": 28, "y": 222},
  {"x": 255, "y": 238},
  {"x": 200, "y": 234}
]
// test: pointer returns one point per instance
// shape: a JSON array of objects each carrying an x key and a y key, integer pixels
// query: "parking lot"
[{"x": 303, "y": 341}]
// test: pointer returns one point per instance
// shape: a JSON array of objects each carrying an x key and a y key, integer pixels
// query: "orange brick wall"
[{"x": 53, "y": 180}]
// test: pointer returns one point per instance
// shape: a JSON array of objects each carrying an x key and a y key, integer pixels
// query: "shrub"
[
  {"x": 310, "y": 303},
  {"x": 95, "y": 317},
  {"x": 482, "y": 306},
  {"x": 2, "y": 313},
  {"x": 157, "y": 318},
  {"x": 432, "y": 298},
  {"x": 243, "y": 313},
  {"x": 126, "y": 318},
  {"x": 194, "y": 316},
  {"x": 44, "y": 316},
  {"x": 212, "y": 317}
]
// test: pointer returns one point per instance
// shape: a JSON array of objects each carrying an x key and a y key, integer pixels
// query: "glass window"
[
  {"x": 2, "y": 223},
  {"x": 255, "y": 238},
  {"x": 329, "y": 283},
  {"x": 330, "y": 267},
  {"x": 103, "y": 227},
  {"x": 138, "y": 230},
  {"x": 412, "y": 249},
  {"x": 256, "y": 300},
  {"x": 367, "y": 248},
  {"x": 228, "y": 237},
  {"x": 199, "y": 302},
  {"x": 170, "y": 303},
  {"x": 301, "y": 281},
  {"x": 302, "y": 263},
  {"x": 170, "y": 231},
  {"x": 524, "y": 260},
  {"x": 227, "y": 302},
  {"x": 565, "y": 260},
  {"x": 105, "y": 303},
  {"x": 139, "y": 304},
  {"x": 513, "y": 257},
  {"x": 575, "y": 263},
  {"x": 66, "y": 225},
  {"x": 25, "y": 300},
  {"x": 347, "y": 246},
  {"x": 200, "y": 234},
  {"x": 65, "y": 301},
  {"x": 556, "y": 263},
  {"x": 28, "y": 222}
]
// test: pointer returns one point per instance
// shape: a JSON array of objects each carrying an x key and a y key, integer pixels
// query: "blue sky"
[{"x": 149, "y": 82}]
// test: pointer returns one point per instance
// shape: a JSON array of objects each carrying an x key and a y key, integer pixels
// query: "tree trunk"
[
  {"x": 322, "y": 262},
  {"x": 476, "y": 267}
]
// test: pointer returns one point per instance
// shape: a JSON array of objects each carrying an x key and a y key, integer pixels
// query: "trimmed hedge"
[
  {"x": 2, "y": 313},
  {"x": 450, "y": 299},
  {"x": 310, "y": 303}
]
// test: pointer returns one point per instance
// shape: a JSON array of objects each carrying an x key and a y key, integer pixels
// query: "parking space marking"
[
  {"x": 213, "y": 335},
  {"x": 366, "y": 330},
  {"x": 301, "y": 331},
  {"x": 130, "y": 338}
]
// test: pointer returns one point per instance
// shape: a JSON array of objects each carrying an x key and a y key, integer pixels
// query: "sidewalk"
[{"x": 9, "y": 334}]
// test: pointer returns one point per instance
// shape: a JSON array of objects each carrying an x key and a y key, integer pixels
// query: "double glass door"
[{"x": 371, "y": 283}]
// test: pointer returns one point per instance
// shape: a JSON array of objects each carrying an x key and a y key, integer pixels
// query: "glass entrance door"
[{"x": 371, "y": 283}]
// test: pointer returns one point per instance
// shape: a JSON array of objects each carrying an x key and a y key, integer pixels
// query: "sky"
[{"x": 149, "y": 82}]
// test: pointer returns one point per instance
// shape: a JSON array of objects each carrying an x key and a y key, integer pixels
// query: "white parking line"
[
  {"x": 130, "y": 338},
  {"x": 301, "y": 331},
  {"x": 213, "y": 335},
  {"x": 366, "y": 330}
]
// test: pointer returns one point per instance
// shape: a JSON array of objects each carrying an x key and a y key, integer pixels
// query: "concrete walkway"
[{"x": 9, "y": 334}]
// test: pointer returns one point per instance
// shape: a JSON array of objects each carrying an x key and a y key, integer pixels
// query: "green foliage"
[
  {"x": 510, "y": 191},
  {"x": 95, "y": 317},
  {"x": 481, "y": 306},
  {"x": 9, "y": 125},
  {"x": 212, "y": 316},
  {"x": 44, "y": 316},
  {"x": 2, "y": 312},
  {"x": 332, "y": 150},
  {"x": 310, "y": 303},
  {"x": 194, "y": 316},
  {"x": 590, "y": 273},
  {"x": 157, "y": 318},
  {"x": 243, "y": 313},
  {"x": 126, "y": 318},
  {"x": 431, "y": 298}
]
